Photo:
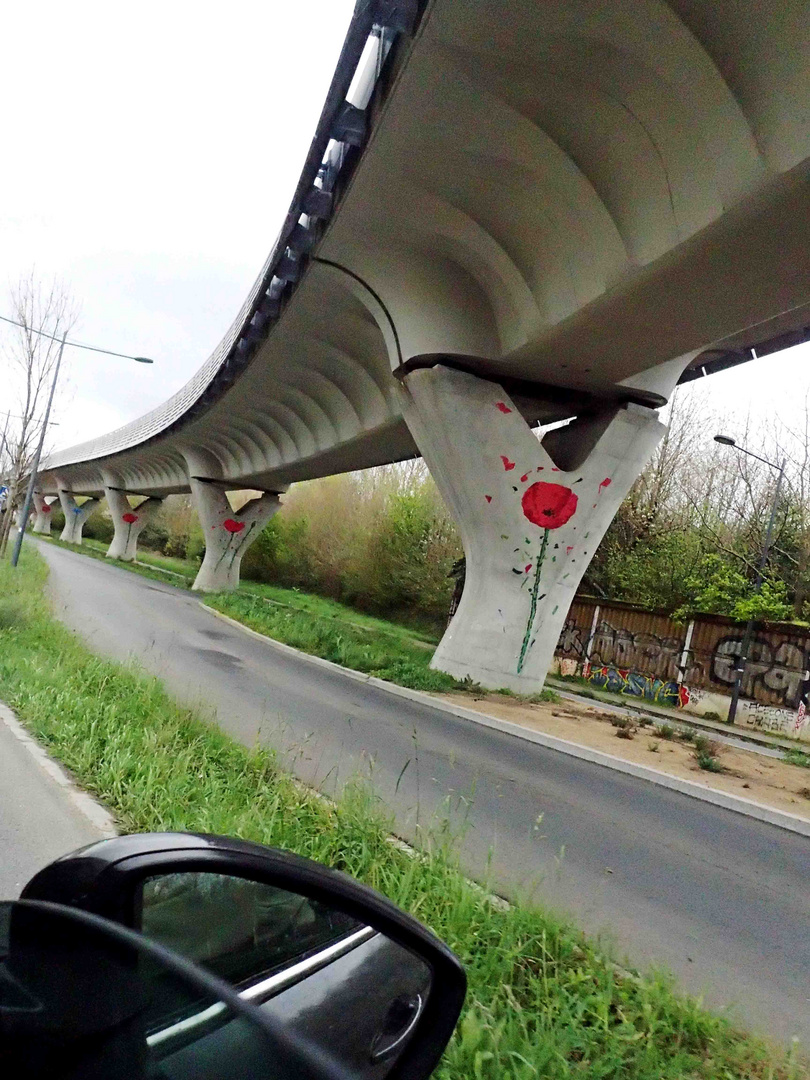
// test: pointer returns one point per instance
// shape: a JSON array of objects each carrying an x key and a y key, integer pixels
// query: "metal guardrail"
[{"x": 339, "y": 137}]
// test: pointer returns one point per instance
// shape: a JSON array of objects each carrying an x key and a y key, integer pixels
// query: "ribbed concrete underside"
[{"x": 577, "y": 191}]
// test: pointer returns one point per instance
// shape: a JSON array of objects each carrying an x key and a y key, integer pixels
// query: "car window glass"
[{"x": 241, "y": 930}]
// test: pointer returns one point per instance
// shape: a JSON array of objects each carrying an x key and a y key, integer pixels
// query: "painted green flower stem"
[{"x": 533, "y": 610}]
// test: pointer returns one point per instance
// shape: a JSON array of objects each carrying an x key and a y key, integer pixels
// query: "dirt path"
[{"x": 749, "y": 775}]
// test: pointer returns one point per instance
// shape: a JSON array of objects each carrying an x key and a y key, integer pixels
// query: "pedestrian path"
[{"x": 42, "y": 813}]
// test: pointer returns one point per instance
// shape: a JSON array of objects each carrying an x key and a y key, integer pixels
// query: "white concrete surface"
[
  {"x": 227, "y": 533},
  {"x": 75, "y": 515},
  {"x": 128, "y": 522},
  {"x": 42, "y": 509},
  {"x": 529, "y": 521}
]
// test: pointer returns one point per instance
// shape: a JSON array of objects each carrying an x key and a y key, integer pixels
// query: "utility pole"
[{"x": 748, "y": 633}]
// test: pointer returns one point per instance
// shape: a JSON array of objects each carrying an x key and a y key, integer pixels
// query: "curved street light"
[{"x": 29, "y": 495}]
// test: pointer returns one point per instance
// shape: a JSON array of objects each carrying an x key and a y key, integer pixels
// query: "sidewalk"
[{"x": 42, "y": 813}]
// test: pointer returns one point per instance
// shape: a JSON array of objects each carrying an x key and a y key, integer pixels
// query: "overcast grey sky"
[{"x": 151, "y": 152}]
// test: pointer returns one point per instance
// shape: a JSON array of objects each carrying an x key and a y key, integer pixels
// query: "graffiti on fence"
[
  {"x": 636, "y": 684},
  {"x": 779, "y": 667},
  {"x": 769, "y": 717},
  {"x": 647, "y": 655}
]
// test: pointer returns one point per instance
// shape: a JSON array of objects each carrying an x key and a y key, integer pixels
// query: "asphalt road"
[
  {"x": 38, "y": 821},
  {"x": 720, "y": 900}
]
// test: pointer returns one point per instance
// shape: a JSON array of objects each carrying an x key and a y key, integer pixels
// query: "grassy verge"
[
  {"x": 175, "y": 572},
  {"x": 543, "y": 1002},
  {"x": 397, "y": 658}
]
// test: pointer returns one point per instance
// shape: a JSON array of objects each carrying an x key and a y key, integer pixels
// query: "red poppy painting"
[{"x": 548, "y": 505}]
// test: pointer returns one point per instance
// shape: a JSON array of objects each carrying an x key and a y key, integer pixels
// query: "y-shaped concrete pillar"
[
  {"x": 227, "y": 535},
  {"x": 42, "y": 523},
  {"x": 75, "y": 515},
  {"x": 19, "y": 521},
  {"x": 129, "y": 522},
  {"x": 530, "y": 515}
]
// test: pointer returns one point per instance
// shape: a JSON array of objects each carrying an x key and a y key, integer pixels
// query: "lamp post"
[
  {"x": 739, "y": 671},
  {"x": 29, "y": 494}
]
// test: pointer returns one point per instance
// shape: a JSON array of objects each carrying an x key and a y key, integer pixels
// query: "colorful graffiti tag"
[{"x": 636, "y": 684}]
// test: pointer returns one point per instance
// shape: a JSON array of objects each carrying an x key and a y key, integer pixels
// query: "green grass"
[
  {"x": 542, "y": 1002},
  {"x": 394, "y": 657},
  {"x": 175, "y": 572},
  {"x": 797, "y": 757}
]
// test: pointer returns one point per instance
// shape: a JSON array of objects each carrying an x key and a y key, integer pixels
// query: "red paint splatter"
[
  {"x": 548, "y": 505},
  {"x": 683, "y": 695},
  {"x": 233, "y": 526},
  {"x": 524, "y": 478},
  {"x": 45, "y": 508},
  {"x": 554, "y": 470},
  {"x": 605, "y": 483},
  {"x": 540, "y": 468},
  {"x": 527, "y": 568},
  {"x": 507, "y": 464},
  {"x": 502, "y": 406},
  {"x": 129, "y": 518},
  {"x": 568, "y": 550},
  {"x": 488, "y": 498}
]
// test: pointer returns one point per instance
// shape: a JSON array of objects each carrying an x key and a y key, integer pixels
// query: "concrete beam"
[{"x": 530, "y": 514}]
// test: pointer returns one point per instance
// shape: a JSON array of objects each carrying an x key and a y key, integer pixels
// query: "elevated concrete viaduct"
[{"x": 512, "y": 211}]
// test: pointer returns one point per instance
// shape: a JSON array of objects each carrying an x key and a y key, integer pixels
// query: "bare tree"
[{"x": 44, "y": 313}]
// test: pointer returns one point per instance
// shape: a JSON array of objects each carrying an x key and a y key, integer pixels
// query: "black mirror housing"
[{"x": 107, "y": 878}]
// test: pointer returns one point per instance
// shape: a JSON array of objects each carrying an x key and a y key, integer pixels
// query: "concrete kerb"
[
  {"x": 98, "y": 815},
  {"x": 735, "y": 803}
]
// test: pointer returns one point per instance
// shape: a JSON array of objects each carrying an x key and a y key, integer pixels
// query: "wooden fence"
[{"x": 625, "y": 649}]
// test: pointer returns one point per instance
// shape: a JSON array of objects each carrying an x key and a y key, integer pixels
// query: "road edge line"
[
  {"x": 735, "y": 803},
  {"x": 96, "y": 813}
]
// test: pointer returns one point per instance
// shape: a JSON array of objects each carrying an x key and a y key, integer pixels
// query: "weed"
[
  {"x": 797, "y": 757},
  {"x": 652, "y": 746},
  {"x": 709, "y": 762},
  {"x": 548, "y": 696},
  {"x": 712, "y": 715},
  {"x": 686, "y": 735},
  {"x": 665, "y": 731},
  {"x": 706, "y": 753},
  {"x": 804, "y": 792}
]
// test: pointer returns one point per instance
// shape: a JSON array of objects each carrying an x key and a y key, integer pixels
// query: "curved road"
[{"x": 720, "y": 900}]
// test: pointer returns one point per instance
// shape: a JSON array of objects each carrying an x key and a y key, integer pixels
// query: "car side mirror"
[
  {"x": 82, "y": 998},
  {"x": 336, "y": 964}
]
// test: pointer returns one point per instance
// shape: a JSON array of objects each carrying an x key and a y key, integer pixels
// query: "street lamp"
[
  {"x": 29, "y": 495},
  {"x": 739, "y": 671}
]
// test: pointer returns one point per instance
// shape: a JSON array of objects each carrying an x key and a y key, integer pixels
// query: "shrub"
[
  {"x": 380, "y": 540},
  {"x": 706, "y": 753}
]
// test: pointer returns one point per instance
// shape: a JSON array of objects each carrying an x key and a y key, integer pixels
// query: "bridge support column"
[
  {"x": 19, "y": 521},
  {"x": 227, "y": 534},
  {"x": 129, "y": 522},
  {"x": 530, "y": 514},
  {"x": 75, "y": 515},
  {"x": 42, "y": 522}
]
